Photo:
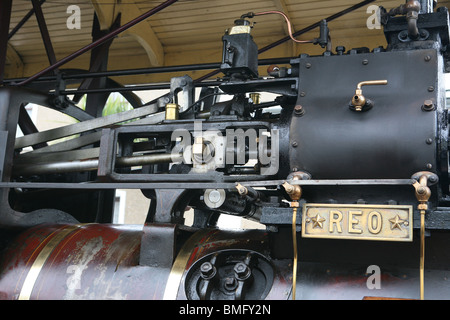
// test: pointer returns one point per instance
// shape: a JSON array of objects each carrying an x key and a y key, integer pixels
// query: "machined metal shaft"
[{"x": 92, "y": 164}]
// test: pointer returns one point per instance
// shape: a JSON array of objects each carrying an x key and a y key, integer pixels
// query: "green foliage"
[{"x": 116, "y": 104}]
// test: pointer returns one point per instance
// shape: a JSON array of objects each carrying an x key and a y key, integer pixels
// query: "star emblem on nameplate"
[
  {"x": 317, "y": 221},
  {"x": 396, "y": 222}
]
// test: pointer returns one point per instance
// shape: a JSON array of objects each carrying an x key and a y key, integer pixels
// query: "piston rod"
[{"x": 93, "y": 164}]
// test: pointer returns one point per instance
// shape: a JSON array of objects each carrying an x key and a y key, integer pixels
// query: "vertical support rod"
[
  {"x": 99, "y": 62},
  {"x": 422, "y": 253},
  {"x": 295, "y": 193},
  {"x": 5, "y": 17},
  {"x": 44, "y": 32},
  {"x": 423, "y": 193},
  {"x": 294, "y": 243}
]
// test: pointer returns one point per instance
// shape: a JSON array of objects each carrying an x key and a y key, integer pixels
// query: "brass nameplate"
[{"x": 355, "y": 221}]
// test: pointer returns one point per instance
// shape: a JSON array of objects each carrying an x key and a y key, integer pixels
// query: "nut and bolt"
[
  {"x": 421, "y": 190},
  {"x": 242, "y": 271},
  {"x": 428, "y": 105},
  {"x": 207, "y": 270},
  {"x": 242, "y": 190},
  {"x": 299, "y": 110}
]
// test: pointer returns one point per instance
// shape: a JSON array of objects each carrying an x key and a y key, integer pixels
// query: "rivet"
[
  {"x": 430, "y": 89},
  {"x": 365, "y": 62},
  {"x": 428, "y": 105},
  {"x": 429, "y": 141},
  {"x": 298, "y": 110},
  {"x": 295, "y": 144},
  {"x": 427, "y": 58},
  {"x": 429, "y": 166},
  {"x": 302, "y": 94},
  {"x": 308, "y": 65}
]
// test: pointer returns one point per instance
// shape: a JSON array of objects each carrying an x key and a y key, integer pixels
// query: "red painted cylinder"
[
  {"x": 100, "y": 261},
  {"x": 157, "y": 261},
  {"x": 89, "y": 261}
]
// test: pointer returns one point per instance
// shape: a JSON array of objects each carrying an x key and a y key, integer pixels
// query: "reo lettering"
[
  {"x": 357, "y": 221},
  {"x": 353, "y": 221},
  {"x": 335, "y": 220},
  {"x": 374, "y": 222}
]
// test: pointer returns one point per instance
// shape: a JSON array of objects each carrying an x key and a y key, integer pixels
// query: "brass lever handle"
[
  {"x": 358, "y": 100},
  {"x": 371, "y": 83}
]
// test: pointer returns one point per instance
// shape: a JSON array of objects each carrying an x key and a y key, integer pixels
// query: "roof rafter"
[
  {"x": 143, "y": 32},
  {"x": 14, "y": 59}
]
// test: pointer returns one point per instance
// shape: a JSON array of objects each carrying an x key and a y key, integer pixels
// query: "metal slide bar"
[
  {"x": 196, "y": 185},
  {"x": 139, "y": 71},
  {"x": 96, "y": 123}
]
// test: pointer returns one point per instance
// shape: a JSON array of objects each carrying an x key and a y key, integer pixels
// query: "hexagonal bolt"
[
  {"x": 242, "y": 271},
  {"x": 428, "y": 105},
  {"x": 207, "y": 270}
]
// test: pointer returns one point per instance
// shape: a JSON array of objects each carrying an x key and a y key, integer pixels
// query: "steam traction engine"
[{"x": 347, "y": 168}]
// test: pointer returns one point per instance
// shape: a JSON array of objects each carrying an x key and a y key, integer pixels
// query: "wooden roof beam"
[
  {"x": 16, "y": 67},
  {"x": 107, "y": 12}
]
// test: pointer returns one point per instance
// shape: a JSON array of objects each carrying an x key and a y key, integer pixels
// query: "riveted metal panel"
[{"x": 394, "y": 139}]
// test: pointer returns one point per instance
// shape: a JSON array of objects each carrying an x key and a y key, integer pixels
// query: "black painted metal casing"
[
  {"x": 393, "y": 140},
  {"x": 240, "y": 56}
]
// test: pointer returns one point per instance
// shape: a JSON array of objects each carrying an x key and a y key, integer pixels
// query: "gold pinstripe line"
[
  {"x": 178, "y": 267},
  {"x": 35, "y": 269}
]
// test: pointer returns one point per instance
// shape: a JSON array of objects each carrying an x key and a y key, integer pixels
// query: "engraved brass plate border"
[{"x": 397, "y": 221}]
